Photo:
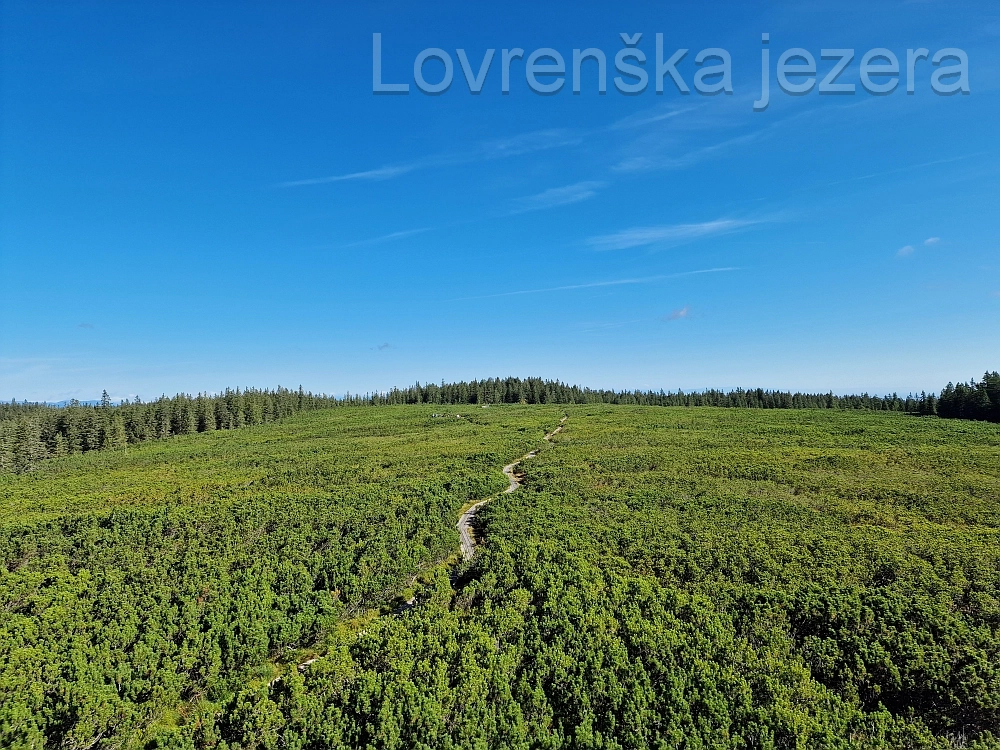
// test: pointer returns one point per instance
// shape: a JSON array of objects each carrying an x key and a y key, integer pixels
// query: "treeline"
[
  {"x": 30, "y": 432},
  {"x": 972, "y": 400},
  {"x": 539, "y": 391}
]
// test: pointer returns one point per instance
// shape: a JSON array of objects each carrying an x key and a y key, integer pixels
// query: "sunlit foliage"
[{"x": 665, "y": 577}]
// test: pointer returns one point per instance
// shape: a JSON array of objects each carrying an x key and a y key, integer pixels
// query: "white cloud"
[
  {"x": 382, "y": 173},
  {"x": 648, "y": 118},
  {"x": 526, "y": 143},
  {"x": 932, "y": 240},
  {"x": 909, "y": 168},
  {"x": 497, "y": 148},
  {"x": 645, "y": 162},
  {"x": 641, "y": 236},
  {"x": 904, "y": 251},
  {"x": 591, "y": 285},
  {"x": 388, "y": 237},
  {"x": 679, "y": 313},
  {"x": 560, "y": 196}
]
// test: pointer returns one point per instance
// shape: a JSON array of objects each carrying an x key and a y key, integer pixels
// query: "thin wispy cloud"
[
  {"x": 654, "y": 152},
  {"x": 543, "y": 140},
  {"x": 388, "y": 237},
  {"x": 678, "y": 314},
  {"x": 526, "y": 143},
  {"x": 594, "y": 284},
  {"x": 668, "y": 142},
  {"x": 502, "y": 148},
  {"x": 496, "y": 148},
  {"x": 382, "y": 173},
  {"x": 642, "y": 236},
  {"x": 560, "y": 196},
  {"x": 646, "y": 162},
  {"x": 908, "y": 168},
  {"x": 905, "y": 251},
  {"x": 643, "y": 119},
  {"x": 932, "y": 241}
]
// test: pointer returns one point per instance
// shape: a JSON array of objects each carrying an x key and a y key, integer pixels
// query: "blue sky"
[{"x": 194, "y": 196}]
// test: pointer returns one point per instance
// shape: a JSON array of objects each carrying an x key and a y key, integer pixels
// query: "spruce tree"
[{"x": 28, "y": 446}]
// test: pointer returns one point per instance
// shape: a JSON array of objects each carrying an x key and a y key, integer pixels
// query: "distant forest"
[
  {"x": 972, "y": 400},
  {"x": 32, "y": 432}
]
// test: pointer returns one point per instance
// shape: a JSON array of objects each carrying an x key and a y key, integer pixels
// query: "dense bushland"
[
  {"x": 136, "y": 589},
  {"x": 664, "y": 578},
  {"x": 30, "y": 433}
]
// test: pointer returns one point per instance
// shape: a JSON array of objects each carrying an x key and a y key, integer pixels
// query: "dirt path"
[
  {"x": 465, "y": 520},
  {"x": 464, "y": 530}
]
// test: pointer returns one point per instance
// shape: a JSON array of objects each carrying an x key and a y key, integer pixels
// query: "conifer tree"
[
  {"x": 114, "y": 435},
  {"x": 28, "y": 446}
]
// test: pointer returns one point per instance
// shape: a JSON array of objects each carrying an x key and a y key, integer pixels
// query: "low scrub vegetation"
[{"x": 664, "y": 577}]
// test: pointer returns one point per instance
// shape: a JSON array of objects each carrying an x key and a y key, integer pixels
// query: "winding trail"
[
  {"x": 464, "y": 530},
  {"x": 465, "y": 520}
]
